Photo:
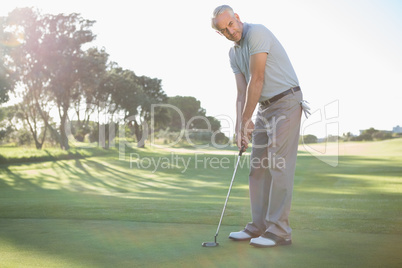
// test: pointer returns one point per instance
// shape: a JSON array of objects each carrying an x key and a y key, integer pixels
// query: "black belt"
[{"x": 280, "y": 95}]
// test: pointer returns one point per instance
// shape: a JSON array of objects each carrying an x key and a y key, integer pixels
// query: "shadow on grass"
[
  {"x": 356, "y": 197},
  {"x": 72, "y": 243}
]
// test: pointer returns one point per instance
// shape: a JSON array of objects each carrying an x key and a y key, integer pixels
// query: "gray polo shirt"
[{"x": 279, "y": 73}]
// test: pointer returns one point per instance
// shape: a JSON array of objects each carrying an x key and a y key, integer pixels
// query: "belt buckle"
[{"x": 265, "y": 103}]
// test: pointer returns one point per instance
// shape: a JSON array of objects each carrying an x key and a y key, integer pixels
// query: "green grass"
[
  {"x": 13, "y": 155},
  {"x": 100, "y": 211}
]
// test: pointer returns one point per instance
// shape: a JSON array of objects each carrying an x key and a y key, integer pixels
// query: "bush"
[
  {"x": 3, "y": 134},
  {"x": 309, "y": 139},
  {"x": 366, "y": 137},
  {"x": 372, "y": 134},
  {"x": 381, "y": 135},
  {"x": 331, "y": 138},
  {"x": 24, "y": 137},
  {"x": 220, "y": 138}
]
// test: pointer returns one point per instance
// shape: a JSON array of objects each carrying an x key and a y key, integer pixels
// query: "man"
[{"x": 264, "y": 76}]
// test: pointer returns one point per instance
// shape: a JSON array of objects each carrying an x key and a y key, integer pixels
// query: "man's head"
[{"x": 227, "y": 23}]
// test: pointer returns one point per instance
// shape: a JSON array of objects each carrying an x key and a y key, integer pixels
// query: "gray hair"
[{"x": 219, "y": 10}]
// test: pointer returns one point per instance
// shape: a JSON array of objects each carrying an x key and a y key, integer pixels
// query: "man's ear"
[
  {"x": 219, "y": 33},
  {"x": 237, "y": 16}
]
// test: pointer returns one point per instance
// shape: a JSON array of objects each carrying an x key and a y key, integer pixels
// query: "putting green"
[
  {"x": 78, "y": 243},
  {"x": 103, "y": 212}
]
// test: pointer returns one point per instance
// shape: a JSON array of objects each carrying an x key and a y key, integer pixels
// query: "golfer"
[{"x": 264, "y": 78}]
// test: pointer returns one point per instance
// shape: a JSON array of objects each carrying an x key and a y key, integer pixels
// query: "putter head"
[{"x": 210, "y": 244}]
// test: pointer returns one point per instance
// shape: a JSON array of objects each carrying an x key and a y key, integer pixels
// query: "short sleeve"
[
  {"x": 260, "y": 40},
  {"x": 233, "y": 62}
]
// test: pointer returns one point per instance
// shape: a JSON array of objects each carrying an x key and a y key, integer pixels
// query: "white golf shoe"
[
  {"x": 269, "y": 240},
  {"x": 242, "y": 235}
]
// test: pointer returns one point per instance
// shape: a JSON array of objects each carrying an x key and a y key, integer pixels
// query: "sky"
[{"x": 347, "y": 54}]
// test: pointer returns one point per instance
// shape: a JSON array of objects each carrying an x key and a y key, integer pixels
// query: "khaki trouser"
[{"x": 273, "y": 162}]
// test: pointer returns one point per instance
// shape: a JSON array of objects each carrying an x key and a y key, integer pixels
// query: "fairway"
[{"x": 156, "y": 207}]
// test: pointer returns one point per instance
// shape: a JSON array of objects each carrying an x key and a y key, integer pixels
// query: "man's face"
[{"x": 230, "y": 27}]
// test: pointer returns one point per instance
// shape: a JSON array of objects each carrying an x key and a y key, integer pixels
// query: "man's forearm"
[
  {"x": 253, "y": 94},
  {"x": 241, "y": 98},
  {"x": 240, "y": 101},
  {"x": 254, "y": 87}
]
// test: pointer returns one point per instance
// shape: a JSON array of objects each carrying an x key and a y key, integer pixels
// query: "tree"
[
  {"x": 309, "y": 139},
  {"x": 371, "y": 134},
  {"x": 25, "y": 58},
  {"x": 7, "y": 122},
  {"x": 30, "y": 114},
  {"x": 48, "y": 60},
  {"x": 370, "y": 131},
  {"x": 7, "y": 40},
  {"x": 347, "y": 136},
  {"x": 152, "y": 94},
  {"x": 213, "y": 122},
  {"x": 189, "y": 107},
  {"x": 87, "y": 96},
  {"x": 194, "y": 115},
  {"x": 63, "y": 39},
  {"x": 332, "y": 138},
  {"x": 6, "y": 84},
  {"x": 119, "y": 94},
  {"x": 382, "y": 135},
  {"x": 54, "y": 72},
  {"x": 131, "y": 97}
]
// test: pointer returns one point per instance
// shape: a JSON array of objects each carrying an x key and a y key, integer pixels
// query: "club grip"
[{"x": 241, "y": 150}]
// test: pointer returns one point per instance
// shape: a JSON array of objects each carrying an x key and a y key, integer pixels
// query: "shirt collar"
[{"x": 245, "y": 30}]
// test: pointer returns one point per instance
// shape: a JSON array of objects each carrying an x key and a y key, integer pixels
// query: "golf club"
[{"x": 214, "y": 244}]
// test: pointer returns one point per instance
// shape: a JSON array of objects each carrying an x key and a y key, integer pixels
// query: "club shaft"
[{"x": 227, "y": 197}]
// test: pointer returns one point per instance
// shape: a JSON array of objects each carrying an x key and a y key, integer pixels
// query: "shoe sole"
[
  {"x": 281, "y": 243},
  {"x": 240, "y": 239}
]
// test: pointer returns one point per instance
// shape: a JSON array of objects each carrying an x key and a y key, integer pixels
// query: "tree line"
[
  {"x": 45, "y": 65},
  {"x": 370, "y": 134}
]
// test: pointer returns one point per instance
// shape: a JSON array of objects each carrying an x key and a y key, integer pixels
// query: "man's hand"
[{"x": 247, "y": 128}]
